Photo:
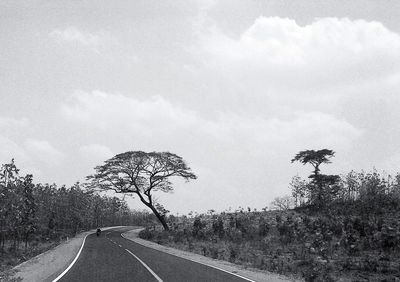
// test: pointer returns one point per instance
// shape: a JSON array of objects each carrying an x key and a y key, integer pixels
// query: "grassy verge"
[
  {"x": 316, "y": 248},
  {"x": 11, "y": 256}
]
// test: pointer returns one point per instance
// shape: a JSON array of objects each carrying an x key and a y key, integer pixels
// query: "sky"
[{"x": 236, "y": 88}]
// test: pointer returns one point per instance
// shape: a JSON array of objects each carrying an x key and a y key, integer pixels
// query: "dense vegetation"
[
  {"x": 343, "y": 228},
  {"x": 331, "y": 228},
  {"x": 35, "y": 217}
]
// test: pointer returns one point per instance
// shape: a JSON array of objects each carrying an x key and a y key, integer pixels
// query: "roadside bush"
[
  {"x": 146, "y": 234},
  {"x": 317, "y": 247}
]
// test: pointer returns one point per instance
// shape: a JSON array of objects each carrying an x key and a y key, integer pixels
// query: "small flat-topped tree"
[
  {"x": 322, "y": 188},
  {"x": 315, "y": 158}
]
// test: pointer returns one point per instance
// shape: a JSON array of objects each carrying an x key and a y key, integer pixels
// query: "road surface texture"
[{"x": 110, "y": 257}]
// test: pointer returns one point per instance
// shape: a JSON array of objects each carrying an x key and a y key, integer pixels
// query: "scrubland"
[{"x": 353, "y": 235}]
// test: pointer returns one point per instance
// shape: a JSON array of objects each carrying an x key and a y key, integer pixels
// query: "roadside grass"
[
  {"x": 312, "y": 247},
  {"x": 12, "y": 255},
  {"x": 8, "y": 276}
]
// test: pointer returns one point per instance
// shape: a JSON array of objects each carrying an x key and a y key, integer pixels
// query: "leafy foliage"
[
  {"x": 40, "y": 214},
  {"x": 283, "y": 203},
  {"x": 321, "y": 190},
  {"x": 315, "y": 158},
  {"x": 140, "y": 173},
  {"x": 356, "y": 237}
]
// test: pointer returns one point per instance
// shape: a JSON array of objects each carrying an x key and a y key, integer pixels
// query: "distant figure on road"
[{"x": 98, "y": 232}]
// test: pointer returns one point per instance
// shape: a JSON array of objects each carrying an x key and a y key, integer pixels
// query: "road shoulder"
[
  {"x": 48, "y": 265},
  {"x": 253, "y": 274}
]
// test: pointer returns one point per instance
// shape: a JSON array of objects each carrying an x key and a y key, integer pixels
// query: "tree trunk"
[
  {"x": 158, "y": 215},
  {"x": 26, "y": 240},
  {"x": 149, "y": 204}
]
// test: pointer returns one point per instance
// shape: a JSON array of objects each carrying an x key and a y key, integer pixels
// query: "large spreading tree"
[{"x": 141, "y": 174}]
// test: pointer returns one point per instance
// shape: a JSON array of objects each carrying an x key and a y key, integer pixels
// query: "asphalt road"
[{"x": 110, "y": 257}]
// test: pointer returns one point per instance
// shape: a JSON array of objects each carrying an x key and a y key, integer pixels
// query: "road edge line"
[
  {"x": 73, "y": 262},
  {"x": 226, "y": 271},
  {"x": 146, "y": 266}
]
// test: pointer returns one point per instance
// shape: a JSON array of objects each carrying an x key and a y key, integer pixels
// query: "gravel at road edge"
[
  {"x": 48, "y": 265},
  {"x": 253, "y": 274}
]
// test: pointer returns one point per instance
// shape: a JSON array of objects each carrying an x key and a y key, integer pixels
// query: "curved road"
[{"x": 110, "y": 257}]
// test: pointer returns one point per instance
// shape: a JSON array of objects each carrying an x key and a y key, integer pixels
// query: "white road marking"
[
  {"x": 119, "y": 246},
  {"x": 209, "y": 265},
  {"x": 145, "y": 265},
  {"x": 77, "y": 256},
  {"x": 223, "y": 270},
  {"x": 72, "y": 263}
]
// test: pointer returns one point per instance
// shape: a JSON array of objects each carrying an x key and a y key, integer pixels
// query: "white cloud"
[
  {"x": 13, "y": 122},
  {"x": 23, "y": 160},
  {"x": 116, "y": 114},
  {"x": 43, "y": 151},
  {"x": 274, "y": 90},
  {"x": 93, "y": 40},
  {"x": 115, "y": 111},
  {"x": 73, "y": 34},
  {"x": 327, "y": 52},
  {"x": 301, "y": 130},
  {"x": 9, "y": 150},
  {"x": 95, "y": 152},
  {"x": 230, "y": 150}
]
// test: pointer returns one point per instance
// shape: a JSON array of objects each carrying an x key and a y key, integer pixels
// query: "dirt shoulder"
[
  {"x": 48, "y": 265},
  {"x": 252, "y": 274}
]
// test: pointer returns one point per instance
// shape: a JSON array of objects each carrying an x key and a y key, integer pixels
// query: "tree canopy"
[
  {"x": 315, "y": 158},
  {"x": 32, "y": 212},
  {"x": 141, "y": 173},
  {"x": 322, "y": 187}
]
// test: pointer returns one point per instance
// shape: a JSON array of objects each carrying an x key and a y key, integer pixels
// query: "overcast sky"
[{"x": 236, "y": 88}]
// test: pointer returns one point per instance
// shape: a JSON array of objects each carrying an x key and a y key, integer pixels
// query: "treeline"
[
  {"x": 362, "y": 193},
  {"x": 33, "y": 213},
  {"x": 332, "y": 228},
  {"x": 367, "y": 194},
  {"x": 356, "y": 237}
]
